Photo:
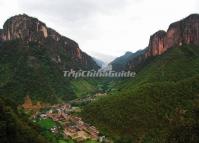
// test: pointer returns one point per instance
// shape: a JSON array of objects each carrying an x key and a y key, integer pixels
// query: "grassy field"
[
  {"x": 46, "y": 124},
  {"x": 83, "y": 87}
]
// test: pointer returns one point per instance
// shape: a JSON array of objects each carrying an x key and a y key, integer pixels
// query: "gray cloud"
[
  {"x": 73, "y": 10},
  {"x": 73, "y": 18},
  {"x": 103, "y": 27}
]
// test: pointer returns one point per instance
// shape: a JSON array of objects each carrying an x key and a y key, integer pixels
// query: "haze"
[{"x": 104, "y": 29}]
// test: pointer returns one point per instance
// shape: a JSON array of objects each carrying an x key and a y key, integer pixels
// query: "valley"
[
  {"x": 62, "y": 122},
  {"x": 39, "y": 105}
]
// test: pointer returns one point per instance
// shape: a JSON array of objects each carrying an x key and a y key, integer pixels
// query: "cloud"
[
  {"x": 72, "y": 10},
  {"x": 104, "y": 27}
]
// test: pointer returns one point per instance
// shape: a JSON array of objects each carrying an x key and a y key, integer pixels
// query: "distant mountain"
[
  {"x": 100, "y": 63},
  {"x": 106, "y": 58},
  {"x": 119, "y": 64}
]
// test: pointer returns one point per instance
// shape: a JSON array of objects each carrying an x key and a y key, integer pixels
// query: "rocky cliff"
[
  {"x": 61, "y": 49},
  {"x": 156, "y": 44},
  {"x": 185, "y": 31},
  {"x": 1, "y": 35}
]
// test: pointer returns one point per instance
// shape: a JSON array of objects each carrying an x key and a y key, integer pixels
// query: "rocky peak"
[
  {"x": 185, "y": 31},
  {"x": 156, "y": 43},
  {"x": 25, "y": 28},
  {"x": 30, "y": 29}
]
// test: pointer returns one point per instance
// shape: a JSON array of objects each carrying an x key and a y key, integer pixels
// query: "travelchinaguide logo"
[{"x": 103, "y": 72}]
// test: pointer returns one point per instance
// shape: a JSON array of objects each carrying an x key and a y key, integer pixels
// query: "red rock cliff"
[
  {"x": 30, "y": 29},
  {"x": 185, "y": 31}
]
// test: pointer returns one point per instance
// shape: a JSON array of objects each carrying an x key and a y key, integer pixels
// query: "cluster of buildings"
[{"x": 73, "y": 126}]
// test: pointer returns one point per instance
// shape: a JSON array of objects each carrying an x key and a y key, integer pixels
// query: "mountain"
[
  {"x": 61, "y": 50},
  {"x": 32, "y": 59},
  {"x": 184, "y": 31},
  {"x": 181, "y": 32},
  {"x": 119, "y": 64},
  {"x": 160, "y": 104},
  {"x": 100, "y": 63},
  {"x": 162, "y": 98}
]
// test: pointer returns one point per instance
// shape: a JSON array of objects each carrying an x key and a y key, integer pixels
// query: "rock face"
[
  {"x": 25, "y": 28},
  {"x": 1, "y": 35},
  {"x": 30, "y": 29},
  {"x": 185, "y": 31},
  {"x": 156, "y": 44}
]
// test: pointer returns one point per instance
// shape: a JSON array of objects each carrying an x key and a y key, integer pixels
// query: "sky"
[{"x": 105, "y": 29}]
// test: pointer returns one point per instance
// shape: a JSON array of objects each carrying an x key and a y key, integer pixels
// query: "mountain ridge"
[
  {"x": 146, "y": 108},
  {"x": 119, "y": 63},
  {"x": 30, "y": 29},
  {"x": 184, "y": 31}
]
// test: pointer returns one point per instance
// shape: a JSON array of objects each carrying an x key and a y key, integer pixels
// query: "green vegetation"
[
  {"x": 82, "y": 87},
  {"x": 29, "y": 70},
  {"x": 63, "y": 141},
  {"x": 119, "y": 63},
  {"x": 45, "y": 126},
  {"x": 15, "y": 129},
  {"x": 88, "y": 87},
  {"x": 157, "y": 104},
  {"x": 46, "y": 123}
]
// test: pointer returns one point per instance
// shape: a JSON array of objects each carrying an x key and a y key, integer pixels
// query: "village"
[{"x": 73, "y": 127}]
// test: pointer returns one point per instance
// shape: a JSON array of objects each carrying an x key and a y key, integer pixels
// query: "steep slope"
[
  {"x": 151, "y": 107},
  {"x": 13, "y": 128},
  {"x": 100, "y": 63},
  {"x": 185, "y": 31},
  {"x": 119, "y": 63},
  {"x": 61, "y": 50},
  {"x": 27, "y": 69},
  {"x": 32, "y": 59}
]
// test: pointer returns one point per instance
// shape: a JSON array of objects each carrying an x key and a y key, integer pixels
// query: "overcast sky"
[{"x": 103, "y": 28}]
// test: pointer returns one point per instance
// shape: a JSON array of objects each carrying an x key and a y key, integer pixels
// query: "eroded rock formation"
[
  {"x": 30, "y": 29},
  {"x": 185, "y": 31}
]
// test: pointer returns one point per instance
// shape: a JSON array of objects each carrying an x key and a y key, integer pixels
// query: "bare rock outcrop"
[
  {"x": 30, "y": 29},
  {"x": 185, "y": 31}
]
